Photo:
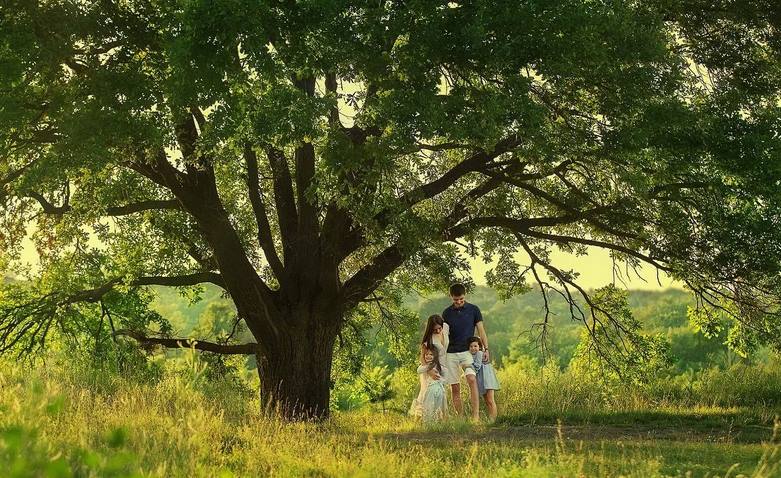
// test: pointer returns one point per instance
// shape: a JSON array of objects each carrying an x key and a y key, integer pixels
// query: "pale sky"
[{"x": 595, "y": 269}]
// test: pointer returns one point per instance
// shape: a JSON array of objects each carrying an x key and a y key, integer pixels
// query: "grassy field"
[{"x": 56, "y": 421}]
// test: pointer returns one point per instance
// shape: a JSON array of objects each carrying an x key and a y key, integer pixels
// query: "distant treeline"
[{"x": 510, "y": 324}]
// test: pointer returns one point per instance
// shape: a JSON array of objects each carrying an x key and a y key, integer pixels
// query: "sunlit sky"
[{"x": 596, "y": 269}]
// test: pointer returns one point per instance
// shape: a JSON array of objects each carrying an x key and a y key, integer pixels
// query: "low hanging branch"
[
  {"x": 238, "y": 349},
  {"x": 567, "y": 282},
  {"x": 124, "y": 210},
  {"x": 93, "y": 295},
  {"x": 27, "y": 323}
]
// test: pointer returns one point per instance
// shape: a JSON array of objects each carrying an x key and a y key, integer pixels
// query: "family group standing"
[{"x": 455, "y": 347}]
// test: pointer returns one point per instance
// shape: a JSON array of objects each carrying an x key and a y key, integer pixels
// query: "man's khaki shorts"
[{"x": 459, "y": 361}]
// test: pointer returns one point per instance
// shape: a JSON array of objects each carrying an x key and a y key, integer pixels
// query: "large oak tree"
[{"x": 302, "y": 155}]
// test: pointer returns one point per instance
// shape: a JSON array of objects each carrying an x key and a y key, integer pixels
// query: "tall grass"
[
  {"x": 530, "y": 391},
  {"x": 66, "y": 420}
]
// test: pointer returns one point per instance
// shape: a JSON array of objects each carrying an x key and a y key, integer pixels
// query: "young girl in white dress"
[
  {"x": 435, "y": 340},
  {"x": 486, "y": 377},
  {"x": 431, "y": 403}
]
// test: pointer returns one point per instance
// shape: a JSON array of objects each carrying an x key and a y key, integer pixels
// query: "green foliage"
[
  {"x": 23, "y": 456},
  {"x": 756, "y": 385},
  {"x": 372, "y": 385},
  {"x": 185, "y": 314},
  {"x": 531, "y": 393},
  {"x": 613, "y": 346},
  {"x": 377, "y": 384},
  {"x": 22, "y": 459},
  {"x": 348, "y": 396},
  {"x": 379, "y": 332}
]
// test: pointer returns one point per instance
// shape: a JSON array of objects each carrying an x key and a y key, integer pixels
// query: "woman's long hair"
[{"x": 433, "y": 320}]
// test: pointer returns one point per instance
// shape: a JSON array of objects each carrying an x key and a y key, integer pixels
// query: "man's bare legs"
[
  {"x": 490, "y": 404},
  {"x": 455, "y": 389},
  {"x": 474, "y": 397}
]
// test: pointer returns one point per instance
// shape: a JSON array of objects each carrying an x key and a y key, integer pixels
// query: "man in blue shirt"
[{"x": 462, "y": 319}]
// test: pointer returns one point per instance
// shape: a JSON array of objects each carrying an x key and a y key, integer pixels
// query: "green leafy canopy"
[{"x": 304, "y": 155}]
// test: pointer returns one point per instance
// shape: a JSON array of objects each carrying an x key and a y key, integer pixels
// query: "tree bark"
[{"x": 295, "y": 372}]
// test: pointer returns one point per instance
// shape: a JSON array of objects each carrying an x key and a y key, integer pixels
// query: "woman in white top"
[{"x": 436, "y": 336}]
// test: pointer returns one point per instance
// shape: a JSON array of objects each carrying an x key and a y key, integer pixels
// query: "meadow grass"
[{"x": 62, "y": 421}]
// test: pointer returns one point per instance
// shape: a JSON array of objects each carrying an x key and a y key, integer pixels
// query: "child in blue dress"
[
  {"x": 487, "y": 382},
  {"x": 431, "y": 404}
]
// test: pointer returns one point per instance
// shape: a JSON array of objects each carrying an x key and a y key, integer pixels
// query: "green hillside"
[{"x": 510, "y": 324}]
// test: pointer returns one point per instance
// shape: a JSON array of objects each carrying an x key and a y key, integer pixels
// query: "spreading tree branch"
[
  {"x": 94, "y": 295},
  {"x": 480, "y": 161},
  {"x": 284, "y": 200},
  {"x": 265, "y": 238},
  {"x": 566, "y": 282},
  {"x": 225, "y": 349},
  {"x": 31, "y": 320},
  {"x": 114, "y": 211},
  {"x": 159, "y": 170},
  {"x": 17, "y": 173},
  {"x": 562, "y": 205},
  {"x": 368, "y": 278}
]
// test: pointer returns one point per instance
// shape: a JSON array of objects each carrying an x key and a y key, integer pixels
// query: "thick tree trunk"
[
  {"x": 295, "y": 328},
  {"x": 295, "y": 373}
]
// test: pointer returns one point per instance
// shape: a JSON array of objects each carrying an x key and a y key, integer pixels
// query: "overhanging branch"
[
  {"x": 566, "y": 281},
  {"x": 367, "y": 279},
  {"x": 132, "y": 208},
  {"x": 26, "y": 324},
  {"x": 238, "y": 349},
  {"x": 94, "y": 295},
  {"x": 16, "y": 174},
  {"x": 564, "y": 206},
  {"x": 524, "y": 226},
  {"x": 150, "y": 204},
  {"x": 479, "y": 161}
]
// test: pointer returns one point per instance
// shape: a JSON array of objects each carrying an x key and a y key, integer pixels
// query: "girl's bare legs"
[{"x": 490, "y": 404}]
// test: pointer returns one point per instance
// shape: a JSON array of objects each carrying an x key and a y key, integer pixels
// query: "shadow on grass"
[
  {"x": 695, "y": 443},
  {"x": 739, "y": 426},
  {"x": 720, "y": 425},
  {"x": 685, "y": 418}
]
